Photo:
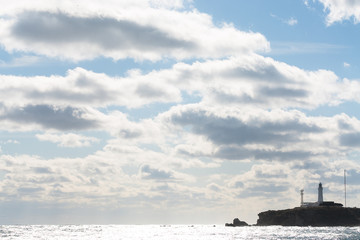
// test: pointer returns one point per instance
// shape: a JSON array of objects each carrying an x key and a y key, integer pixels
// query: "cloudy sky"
[{"x": 176, "y": 111}]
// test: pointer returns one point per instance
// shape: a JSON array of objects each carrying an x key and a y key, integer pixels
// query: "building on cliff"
[{"x": 320, "y": 201}]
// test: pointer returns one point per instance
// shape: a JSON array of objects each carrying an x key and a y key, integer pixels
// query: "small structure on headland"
[
  {"x": 320, "y": 213},
  {"x": 320, "y": 201}
]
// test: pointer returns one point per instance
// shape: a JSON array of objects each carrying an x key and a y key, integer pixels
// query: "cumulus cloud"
[
  {"x": 243, "y": 124},
  {"x": 340, "y": 10},
  {"x": 257, "y": 81},
  {"x": 85, "y": 88},
  {"x": 102, "y": 33},
  {"x": 49, "y": 117},
  {"x": 282, "y": 183},
  {"x": 67, "y": 140},
  {"x": 252, "y": 80},
  {"x": 248, "y": 134},
  {"x": 140, "y": 31},
  {"x": 150, "y": 173},
  {"x": 238, "y": 125},
  {"x": 350, "y": 139},
  {"x": 242, "y": 129}
]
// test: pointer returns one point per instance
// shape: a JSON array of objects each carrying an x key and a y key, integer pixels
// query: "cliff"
[{"x": 311, "y": 216}]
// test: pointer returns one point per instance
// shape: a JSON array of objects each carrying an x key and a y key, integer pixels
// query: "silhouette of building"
[
  {"x": 320, "y": 194},
  {"x": 320, "y": 201}
]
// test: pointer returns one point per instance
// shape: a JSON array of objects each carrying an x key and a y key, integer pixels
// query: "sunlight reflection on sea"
[{"x": 173, "y": 232}]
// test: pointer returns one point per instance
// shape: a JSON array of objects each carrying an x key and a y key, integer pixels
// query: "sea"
[{"x": 170, "y": 232}]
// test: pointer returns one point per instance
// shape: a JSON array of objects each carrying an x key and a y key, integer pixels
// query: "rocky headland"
[
  {"x": 236, "y": 223},
  {"x": 311, "y": 216}
]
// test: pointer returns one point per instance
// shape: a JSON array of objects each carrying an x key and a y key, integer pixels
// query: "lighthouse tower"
[{"x": 320, "y": 194}]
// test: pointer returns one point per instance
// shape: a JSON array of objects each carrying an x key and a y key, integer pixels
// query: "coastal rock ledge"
[
  {"x": 312, "y": 216},
  {"x": 236, "y": 223}
]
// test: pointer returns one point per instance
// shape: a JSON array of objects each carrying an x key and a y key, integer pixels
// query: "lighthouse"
[
  {"x": 320, "y": 201},
  {"x": 320, "y": 194}
]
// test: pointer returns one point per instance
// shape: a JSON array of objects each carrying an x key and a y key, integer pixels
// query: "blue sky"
[{"x": 153, "y": 111}]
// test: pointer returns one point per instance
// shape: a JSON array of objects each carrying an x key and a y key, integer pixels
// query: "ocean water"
[{"x": 167, "y": 232}]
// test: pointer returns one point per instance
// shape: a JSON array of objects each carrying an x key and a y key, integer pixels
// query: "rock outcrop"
[
  {"x": 311, "y": 216},
  {"x": 236, "y": 223}
]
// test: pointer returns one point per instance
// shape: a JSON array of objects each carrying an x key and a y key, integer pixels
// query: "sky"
[{"x": 176, "y": 111}]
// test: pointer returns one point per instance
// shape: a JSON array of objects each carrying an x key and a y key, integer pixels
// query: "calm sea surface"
[{"x": 173, "y": 232}]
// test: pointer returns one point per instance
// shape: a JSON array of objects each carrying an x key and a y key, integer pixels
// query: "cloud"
[
  {"x": 139, "y": 31},
  {"x": 148, "y": 172},
  {"x": 291, "y": 21},
  {"x": 104, "y": 33},
  {"x": 242, "y": 153},
  {"x": 76, "y": 6},
  {"x": 10, "y": 141},
  {"x": 350, "y": 139},
  {"x": 303, "y": 48},
  {"x": 346, "y": 65},
  {"x": 252, "y": 80},
  {"x": 85, "y": 88},
  {"x": 257, "y": 81},
  {"x": 67, "y": 140},
  {"x": 42, "y": 170},
  {"x": 20, "y": 62},
  {"x": 283, "y": 182},
  {"x": 341, "y": 10},
  {"x": 241, "y": 115},
  {"x": 240, "y": 142},
  {"x": 252, "y": 134},
  {"x": 49, "y": 117},
  {"x": 234, "y": 130}
]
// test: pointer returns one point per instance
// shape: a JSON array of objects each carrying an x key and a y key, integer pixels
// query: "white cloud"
[
  {"x": 253, "y": 81},
  {"x": 99, "y": 182},
  {"x": 93, "y": 6},
  {"x": 43, "y": 117},
  {"x": 244, "y": 126},
  {"x": 303, "y": 48},
  {"x": 168, "y": 4},
  {"x": 340, "y": 10},
  {"x": 21, "y": 61},
  {"x": 347, "y": 65},
  {"x": 67, "y": 140},
  {"x": 76, "y": 31},
  {"x": 253, "y": 134},
  {"x": 85, "y": 88},
  {"x": 292, "y": 21},
  {"x": 257, "y": 81},
  {"x": 10, "y": 141},
  {"x": 308, "y": 4}
]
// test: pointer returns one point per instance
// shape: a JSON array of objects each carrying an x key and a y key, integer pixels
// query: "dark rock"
[
  {"x": 311, "y": 216},
  {"x": 236, "y": 223}
]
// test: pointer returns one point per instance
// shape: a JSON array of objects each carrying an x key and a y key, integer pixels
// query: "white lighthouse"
[
  {"x": 320, "y": 201},
  {"x": 320, "y": 194}
]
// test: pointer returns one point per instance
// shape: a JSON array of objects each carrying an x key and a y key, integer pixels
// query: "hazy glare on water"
[{"x": 182, "y": 232}]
